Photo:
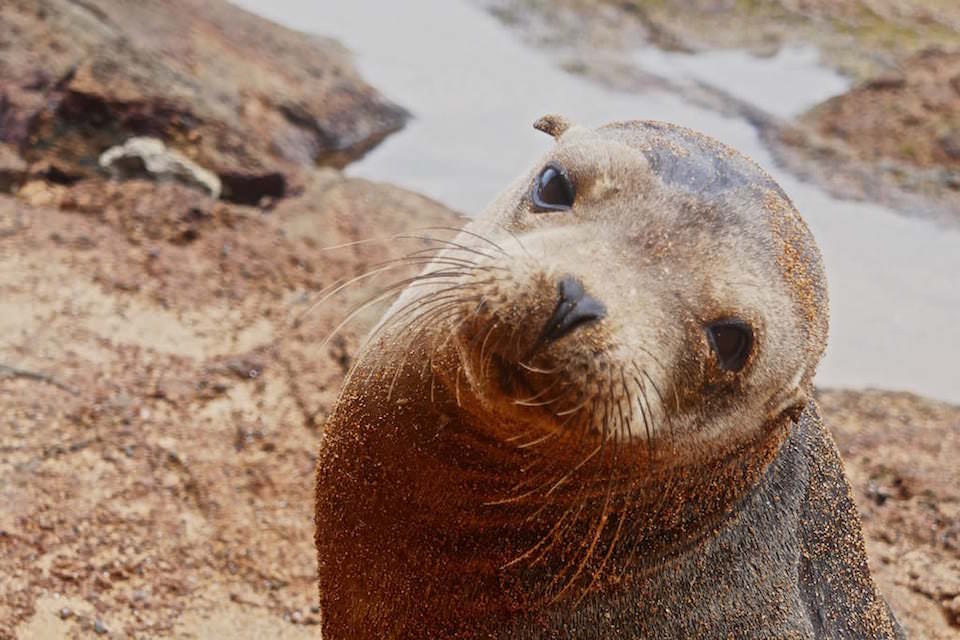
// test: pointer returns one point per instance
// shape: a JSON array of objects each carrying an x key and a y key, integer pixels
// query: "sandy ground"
[{"x": 160, "y": 479}]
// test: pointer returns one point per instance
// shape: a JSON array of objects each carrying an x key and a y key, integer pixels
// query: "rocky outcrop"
[
  {"x": 894, "y": 138},
  {"x": 900, "y": 454},
  {"x": 163, "y": 382},
  {"x": 910, "y": 114},
  {"x": 134, "y": 304},
  {"x": 250, "y": 101}
]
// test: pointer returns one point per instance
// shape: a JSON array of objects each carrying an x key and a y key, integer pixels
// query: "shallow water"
[
  {"x": 785, "y": 84},
  {"x": 474, "y": 89}
]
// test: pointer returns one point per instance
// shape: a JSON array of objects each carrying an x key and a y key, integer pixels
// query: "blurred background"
[{"x": 174, "y": 173}]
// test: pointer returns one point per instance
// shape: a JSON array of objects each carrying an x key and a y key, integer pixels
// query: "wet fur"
[{"x": 477, "y": 482}]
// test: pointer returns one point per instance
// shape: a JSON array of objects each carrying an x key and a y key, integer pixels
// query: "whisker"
[
  {"x": 399, "y": 369},
  {"x": 436, "y": 315},
  {"x": 643, "y": 412},
  {"x": 413, "y": 235},
  {"x": 653, "y": 357},
  {"x": 388, "y": 238},
  {"x": 559, "y": 530},
  {"x": 449, "y": 245},
  {"x": 610, "y": 550},
  {"x": 523, "y": 248},
  {"x": 471, "y": 233},
  {"x": 519, "y": 436},
  {"x": 483, "y": 347},
  {"x": 588, "y": 400},
  {"x": 623, "y": 424},
  {"x": 566, "y": 393},
  {"x": 540, "y": 542},
  {"x": 457, "y": 385},
  {"x": 529, "y": 402},
  {"x": 575, "y": 469},
  {"x": 421, "y": 306},
  {"x": 359, "y": 308},
  {"x": 464, "y": 320},
  {"x": 369, "y": 274},
  {"x": 540, "y": 440},
  {"x": 536, "y": 370},
  {"x": 350, "y": 316},
  {"x": 601, "y": 526}
]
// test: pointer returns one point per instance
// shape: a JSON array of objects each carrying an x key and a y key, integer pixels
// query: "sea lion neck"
[{"x": 493, "y": 528}]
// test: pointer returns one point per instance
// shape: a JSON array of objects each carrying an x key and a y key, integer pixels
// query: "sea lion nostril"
[
  {"x": 573, "y": 309},
  {"x": 570, "y": 288}
]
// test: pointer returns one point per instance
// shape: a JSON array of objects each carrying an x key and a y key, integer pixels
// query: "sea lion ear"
[
  {"x": 552, "y": 124},
  {"x": 795, "y": 412}
]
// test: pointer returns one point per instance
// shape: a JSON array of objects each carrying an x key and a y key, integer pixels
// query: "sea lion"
[{"x": 591, "y": 416}]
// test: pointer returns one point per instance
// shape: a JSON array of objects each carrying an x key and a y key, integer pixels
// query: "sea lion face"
[{"x": 642, "y": 283}]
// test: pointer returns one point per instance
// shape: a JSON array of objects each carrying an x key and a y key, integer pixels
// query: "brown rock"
[
  {"x": 908, "y": 446},
  {"x": 886, "y": 81},
  {"x": 899, "y": 117},
  {"x": 13, "y": 169},
  {"x": 180, "y": 471},
  {"x": 951, "y": 145},
  {"x": 249, "y": 100}
]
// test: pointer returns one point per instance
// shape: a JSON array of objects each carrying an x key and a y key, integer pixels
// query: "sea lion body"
[{"x": 591, "y": 417}]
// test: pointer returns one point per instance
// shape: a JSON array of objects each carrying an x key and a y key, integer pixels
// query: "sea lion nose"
[{"x": 574, "y": 308}]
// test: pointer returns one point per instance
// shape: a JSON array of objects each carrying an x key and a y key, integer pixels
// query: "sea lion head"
[{"x": 643, "y": 284}]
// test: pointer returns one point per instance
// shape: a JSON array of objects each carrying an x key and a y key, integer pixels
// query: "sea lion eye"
[
  {"x": 553, "y": 190},
  {"x": 731, "y": 341}
]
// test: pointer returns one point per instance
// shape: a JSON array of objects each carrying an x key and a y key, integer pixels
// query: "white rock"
[{"x": 162, "y": 162}]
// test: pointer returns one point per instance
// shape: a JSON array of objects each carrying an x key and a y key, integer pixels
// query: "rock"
[
  {"x": 39, "y": 193},
  {"x": 139, "y": 156},
  {"x": 900, "y": 451},
  {"x": 13, "y": 169},
  {"x": 99, "y": 627},
  {"x": 887, "y": 80},
  {"x": 950, "y": 144},
  {"x": 953, "y": 607},
  {"x": 898, "y": 116},
  {"x": 253, "y": 102}
]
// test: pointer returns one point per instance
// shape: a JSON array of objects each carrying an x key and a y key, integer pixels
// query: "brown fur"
[{"x": 476, "y": 482}]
